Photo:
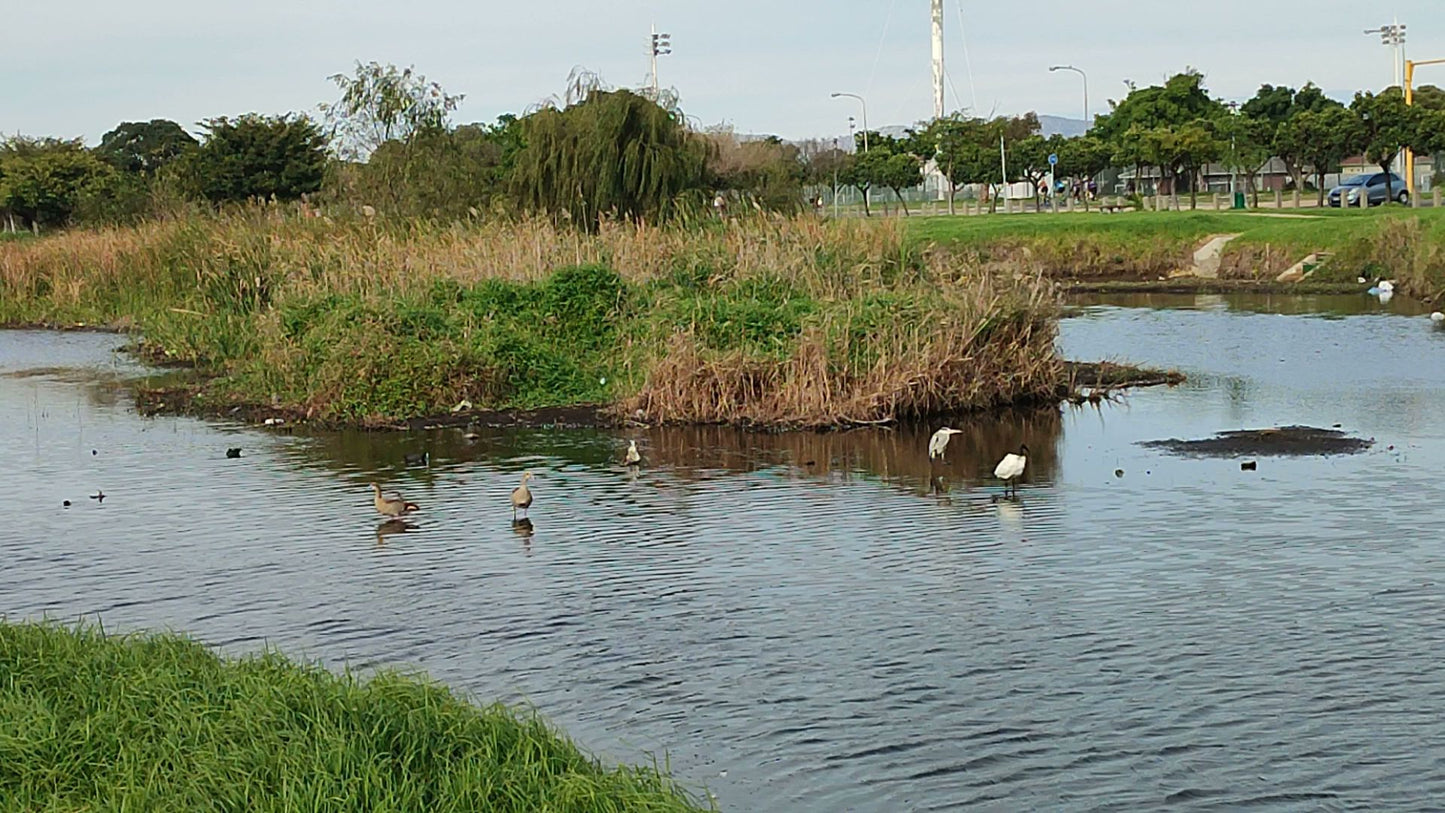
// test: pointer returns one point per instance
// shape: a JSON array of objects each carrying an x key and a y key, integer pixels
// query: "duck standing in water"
[
  {"x": 1012, "y": 465},
  {"x": 634, "y": 458},
  {"x": 522, "y": 496},
  {"x": 391, "y": 505}
]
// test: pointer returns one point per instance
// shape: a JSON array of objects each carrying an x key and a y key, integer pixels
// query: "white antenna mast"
[{"x": 938, "y": 59}]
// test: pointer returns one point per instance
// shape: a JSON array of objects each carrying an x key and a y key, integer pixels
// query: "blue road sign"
[{"x": 1053, "y": 158}]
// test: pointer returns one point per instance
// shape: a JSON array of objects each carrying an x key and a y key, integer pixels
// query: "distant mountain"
[{"x": 1066, "y": 127}]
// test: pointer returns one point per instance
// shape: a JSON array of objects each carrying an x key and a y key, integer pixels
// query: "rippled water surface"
[{"x": 827, "y": 622}]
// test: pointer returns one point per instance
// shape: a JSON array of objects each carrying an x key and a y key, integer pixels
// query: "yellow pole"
[
  {"x": 1409, "y": 153},
  {"x": 1409, "y": 100}
]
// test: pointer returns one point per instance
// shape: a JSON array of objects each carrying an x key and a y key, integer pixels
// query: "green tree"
[
  {"x": 1271, "y": 104},
  {"x": 1083, "y": 157},
  {"x": 1267, "y": 106},
  {"x": 861, "y": 171},
  {"x": 381, "y": 103},
  {"x": 449, "y": 173},
  {"x": 963, "y": 150},
  {"x": 43, "y": 180},
  {"x": 1246, "y": 144},
  {"x": 1321, "y": 139},
  {"x": 1197, "y": 143},
  {"x": 767, "y": 172},
  {"x": 1385, "y": 125},
  {"x": 891, "y": 163},
  {"x": 1164, "y": 126},
  {"x": 397, "y": 116},
  {"x": 1029, "y": 161},
  {"x": 255, "y": 156},
  {"x": 1428, "y": 97},
  {"x": 143, "y": 147},
  {"x": 1180, "y": 100},
  {"x": 614, "y": 153},
  {"x": 823, "y": 164}
]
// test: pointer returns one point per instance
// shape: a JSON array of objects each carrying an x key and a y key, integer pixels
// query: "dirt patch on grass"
[{"x": 1284, "y": 441}]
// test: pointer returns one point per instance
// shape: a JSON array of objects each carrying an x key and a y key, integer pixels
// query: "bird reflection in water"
[
  {"x": 523, "y": 528},
  {"x": 392, "y": 527},
  {"x": 1010, "y": 511},
  {"x": 938, "y": 487}
]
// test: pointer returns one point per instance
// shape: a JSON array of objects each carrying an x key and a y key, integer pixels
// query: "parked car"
[{"x": 1374, "y": 186}]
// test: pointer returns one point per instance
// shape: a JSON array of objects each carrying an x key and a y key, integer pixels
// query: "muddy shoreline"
[
  {"x": 1083, "y": 382},
  {"x": 1200, "y": 285}
]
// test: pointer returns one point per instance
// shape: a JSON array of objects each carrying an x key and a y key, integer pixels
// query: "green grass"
[
  {"x": 158, "y": 722},
  {"x": 1391, "y": 241}
]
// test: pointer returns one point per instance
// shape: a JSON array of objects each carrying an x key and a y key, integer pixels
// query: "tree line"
[
  {"x": 387, "y": 144},
  {"x": 1173, "y": 130}
]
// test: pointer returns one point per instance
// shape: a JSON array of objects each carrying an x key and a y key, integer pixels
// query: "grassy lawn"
[
  {"x": 89, "y": 722},
  {"x": 1310, "y": 227},
  {"x": 1393, "y": 241}
]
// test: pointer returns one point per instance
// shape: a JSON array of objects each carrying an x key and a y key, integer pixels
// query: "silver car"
[{"x": 1373, "y": 185}]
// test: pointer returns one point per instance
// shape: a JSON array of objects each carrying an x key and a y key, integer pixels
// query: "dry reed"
[{"x": 363, "y": 320}]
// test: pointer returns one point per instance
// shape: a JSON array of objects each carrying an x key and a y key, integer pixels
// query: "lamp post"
[
  {"x": 1085, "y": 76},
  {"x": 661, "y": 46},
  {"x": 863, "y": 102},
  {"x": 835, "y": 179},
  {"x": 1233, "y": 156},
  {"x": 1392, "y": 35}
]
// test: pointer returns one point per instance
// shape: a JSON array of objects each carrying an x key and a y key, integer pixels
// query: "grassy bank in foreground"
[
  {"x": 161, "y": 723},
  {"x": 1394, "y": 242},
  {"x": 758, "y": 321}
]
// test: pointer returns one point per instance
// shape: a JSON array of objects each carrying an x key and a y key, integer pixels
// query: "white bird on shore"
[
  {"x": 1011, "y": 467},
  {"x": 1437, "y": 317},
  {"x": 939, "y": 442}
]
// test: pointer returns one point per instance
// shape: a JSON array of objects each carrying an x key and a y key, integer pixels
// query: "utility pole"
[
  {"x": 938, "y": 59},
  {"x": 661, "y": 45},
  {"x": 1393, "y": 35},
  {"x": 836, "y": 156}
]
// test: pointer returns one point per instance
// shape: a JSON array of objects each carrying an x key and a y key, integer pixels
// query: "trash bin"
[{"x": 1238, "y": 200}]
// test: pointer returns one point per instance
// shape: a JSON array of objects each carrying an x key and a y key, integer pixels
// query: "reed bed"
[
  {"x": 359, "y": 320},
  {"x": 161, "y": 723}
]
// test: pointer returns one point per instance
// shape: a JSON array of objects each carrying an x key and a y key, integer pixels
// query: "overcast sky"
[{"x": 77, "y": 68}]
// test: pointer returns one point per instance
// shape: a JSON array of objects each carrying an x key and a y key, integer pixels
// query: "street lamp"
[
  {"x": 661, "y": 46},
  {"x": 865, "y": 115},
  {"x": 835, "y": 179},
  {"x": 1392, "y": 35},
  {"x": 1080, "y": 72},
  {"x": 1233, "y": 155}
]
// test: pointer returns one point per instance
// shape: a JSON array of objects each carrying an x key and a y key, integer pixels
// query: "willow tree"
[{"x": 612, "y": 154}]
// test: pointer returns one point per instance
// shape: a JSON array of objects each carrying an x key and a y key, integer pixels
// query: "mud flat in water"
[{"x": 1283, "y": 441}]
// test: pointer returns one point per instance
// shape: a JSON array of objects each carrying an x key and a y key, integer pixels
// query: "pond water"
[{"x": 828, "y": 622}]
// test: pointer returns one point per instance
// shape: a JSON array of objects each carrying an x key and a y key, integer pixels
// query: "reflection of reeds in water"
[{"x": 897, "y": 455}]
